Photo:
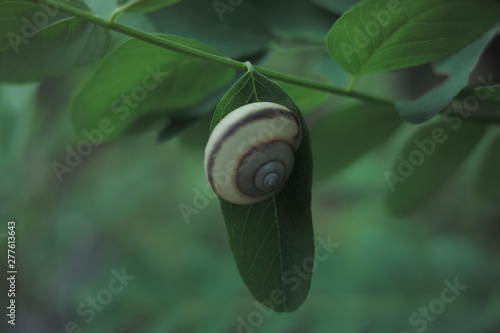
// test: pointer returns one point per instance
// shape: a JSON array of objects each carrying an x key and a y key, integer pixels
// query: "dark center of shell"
[{"x": 265, "y": 168}]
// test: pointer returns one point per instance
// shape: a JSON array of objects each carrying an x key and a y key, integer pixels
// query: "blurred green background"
[{"x": 119, "y": 209}]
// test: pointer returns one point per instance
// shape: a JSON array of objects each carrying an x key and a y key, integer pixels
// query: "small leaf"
[
  {"x": 457, "y": 67},
  {"x": 143, "y": 6},
  {"x": 270, "y": 237},
  {"x": 39, "y": 41},
  {"x": 487, "y": 179},
  {"x": 380, "y": 35},
  {"x": 428, "y": 160},
  {"x": 347, "y": 134},
  {"x": 140, "y": 81}
]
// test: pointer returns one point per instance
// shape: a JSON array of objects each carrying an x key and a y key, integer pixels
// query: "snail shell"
[{"x": 251, "y": 152}]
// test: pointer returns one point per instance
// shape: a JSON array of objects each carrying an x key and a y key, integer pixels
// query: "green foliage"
[
  {"x": 141, "y": 82},
  {"x": 489, "y": 94},
  {"x": 349, "y": 133},
  {"x": 488, "y": 181},
  {"x": 242, "y": 32},
  {"x": 300, "y": 61},
  {"x": 300, "y": 21},
  {"x": 165, "y": 73},
  {"x": 28, "y": 45},
  {"x": 143, "y": 6},
  {"x": 380, "y": 35},
  {"x": 271, "y": 237},
  {"x": 457, "y": 68},
  {"x": 428, "y": 160},
  {"x": 176, "y": 126}
]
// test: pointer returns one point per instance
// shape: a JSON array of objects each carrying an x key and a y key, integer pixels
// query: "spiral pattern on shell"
[{"x": 250, "y": 154}]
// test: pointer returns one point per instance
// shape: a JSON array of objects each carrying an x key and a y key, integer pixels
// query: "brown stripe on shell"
[{"x": 268, "y": 113}]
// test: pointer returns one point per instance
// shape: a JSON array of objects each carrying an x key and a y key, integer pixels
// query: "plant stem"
[
  {"x": 352, "y": 82},
  {"x": 115, "y": 14},
  {"x": 237, "y": 65}
]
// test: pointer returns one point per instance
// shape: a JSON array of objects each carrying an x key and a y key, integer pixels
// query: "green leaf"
[
  {"x": 487, "y": 178},
  {"x": 347, "y": 134},
  {"x": 234, "y": 33},
  {"x": 143, "y": 6},
  {"x": 428, "y": 160},
  {"x": 457, "y": 68},
  {"x": 39, "y": 41},
  {"x": 380, "y": 35},
  {"x": 139, "y": 81},
  {"x": 270, "y": 237}
]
